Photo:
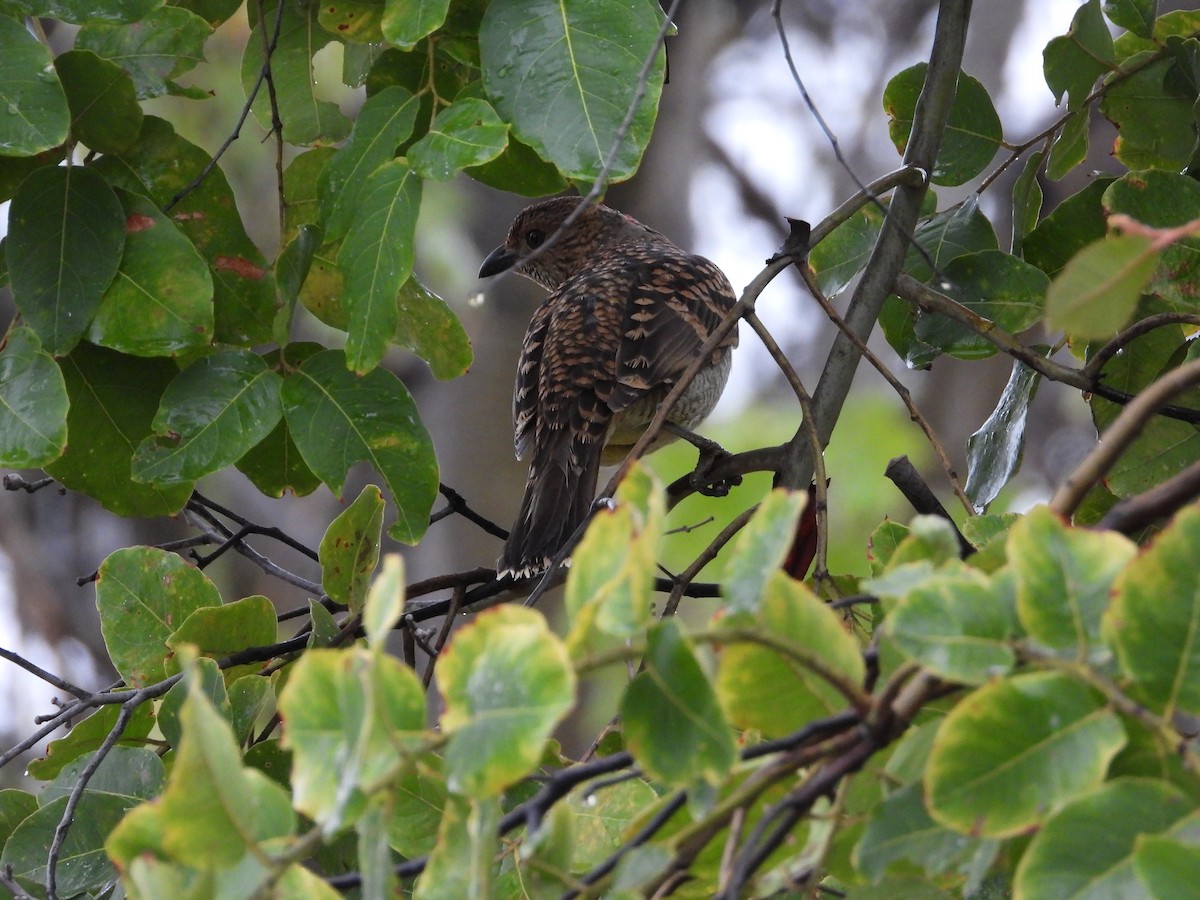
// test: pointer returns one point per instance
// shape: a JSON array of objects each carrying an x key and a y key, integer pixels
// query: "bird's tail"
[{"x": 558, "y": 494}]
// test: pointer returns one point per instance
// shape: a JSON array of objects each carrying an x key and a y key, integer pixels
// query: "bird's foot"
[{"x": 711, "y": 455}]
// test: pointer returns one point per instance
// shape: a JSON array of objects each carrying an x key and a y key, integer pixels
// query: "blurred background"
[{"x": 735, "y": 151}]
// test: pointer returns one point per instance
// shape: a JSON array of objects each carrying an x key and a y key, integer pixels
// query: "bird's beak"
[{"x": 497, "y": 261}]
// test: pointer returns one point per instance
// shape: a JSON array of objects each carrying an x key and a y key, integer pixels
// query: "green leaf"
[
  {"x": 611, "y": 582},
  {"x": 384, "y": 122},
  {"x": 1074, "y": 223},
  {"x": 33, "y": 403},
  {"x": 78, "y": 12},
  {"x": 603, "y": 819},
  {"x": 251, "y": 701},
  {"x": 1166, "y": 868},
  {"x": 1064, "y": 577},
  {"x": 461, "y": 862},
  {"x": 104, "y": 110},
  {"x": 376, "y": 259},
  {"x": 275, "y": 465},
  {"x": 161, "y": 301},
  {"x": 162, "y": 165},
  {"x": 957, "y": 625},
  {"x": 83, "y": 865},
  {"x": 994, "y": 451},
  {"x": 349, "y": 549},
  {"x": 113, "y": 398},
  {"x": 1097, "y": 291},
  {"x": 210, "y": 415},
  {"x": 204, "y": 671},
  {"x": 1075, "y": 60},
  {"x": 57, "y": 292},
  {"x": 760, "y": 549},
  {"x": 405, "y": 22},
  {"x": 1016, "y": 750},
  {"x": 375, "y": 858},
  {"x": 466, "y": 133},
  {"x": 132, "y": 774},
  {"x": 1155, "y": 124},
  {"x": 87, "y": 735},
  {"x": 353, "y": 21},
  {"x": 159, "y": 47},
  {"x": 506, "y": 681},
  {"x": 520, "y": 170},
  {"x": 997, "y": 286},
  {"x": 1151, "y": 623},
  {"x": 219, "y": 631},
  {"x": 1027, "y": 200},
  {"x": 901, "y": 829},
  {"x": 419, "y": 797},
  {"x": 428, "y": 327},
  {"x": 349, "y": 715},
  {"x": 338, "y": 418},
  {"x": 973, "y": 130},
  {"x": 143, "y": 595},
  {"x": 567, "y": 84},
  {"x": 1070, "y": 147},
  {"x": 37, "y": 117},
  {"x": 307, "y": 119},
  {"x": 778, "y": 687},
  {"x": 1135, "y": 15},
  {"x": 214, "y": 809},
  {"x": 1088, "y": 848},
  {"x": 673, "y": 724},
  {"x": 838, "y": 258},
  {"x": 1164, "y": 200}
]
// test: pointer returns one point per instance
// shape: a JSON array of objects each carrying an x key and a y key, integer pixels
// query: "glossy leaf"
[
  {"x": 673, "y": 724},
  {"x": 506, "y": 681},
  {"x": 1154, "y": 123},
  {"x": 353, "y": 21},
  {"x": 88, "y": 734},
  {"x": 79, "y": 11},
  {"x": 1135, "y": 15},
  {"x": 377, "y": 258},
  {"x": 346, "y": 715},
  {"x": 1151, "y": 623},
  {"x": 428, "y": 327},
  {"x": 58, "y": 292},
  {"x": 1096, "y": 292},
  {"x": 307, "y": 119},
  {"x": 210, "y": 682},
  {"x": 1088, "y": 848},
  {"x": 1072, "y": 225},
  {"x": 760, "y": 548},
  {"x": 384, "y": 122},
  {"x": 113, "y": 399},
  {"x": 999, "y": 287},
  {"x": 161, "y": 301},
  {"x": 1016, "y": 750},
  {"x": 1166, "y": 868},
  {"x": 973, "y": 131},
  {"x": 466, "y": 133},
  {"x": 611, "y": 582},
  {"x": 162, "y": 165},
  {"x": 406, "y": 22},
  {"x": 210, "y": 415},
  {"x": 957, "y": 625},
  {"x": 161, "y": 46},
  {"x": 349, "y": 549},
  {"x": 104, "y": 110},
  {"x": 39, "y": 116},
  {"x": 143, "y": 595},
  {"x": 461, "y": 862},
  {"x": 33, "y": 403},
  {"x": 994, "y": 451},
  {"x": 778, "y": 687},
  {"x": 219, "y": 631},
  {"x": 1064, "y": 577},
  {"x": 568, "y": 81},
  {"x": 1070, "y": 146},
  {"x": 1027, "y": 200},
  {"x": 1075, "y": 60},
  {"x": 83, "y": 865},
  {"x": 338, "y": 418},
  {"x": 214, "y": 809},
  {"x": 839, "y": 257}
]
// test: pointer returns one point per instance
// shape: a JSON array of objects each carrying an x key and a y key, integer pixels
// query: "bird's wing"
[
  {"x": 525, "y": 393},
  {"x": 673, "y": 307}
]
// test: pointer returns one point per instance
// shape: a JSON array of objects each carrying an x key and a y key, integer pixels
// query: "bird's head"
[{"x": 531, "y": 248}]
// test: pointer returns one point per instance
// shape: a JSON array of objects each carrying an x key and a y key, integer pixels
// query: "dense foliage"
[{"x": 1001, "y": 710}]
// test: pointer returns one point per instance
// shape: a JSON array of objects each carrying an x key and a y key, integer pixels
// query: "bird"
[{"x": 627, "y": 313}]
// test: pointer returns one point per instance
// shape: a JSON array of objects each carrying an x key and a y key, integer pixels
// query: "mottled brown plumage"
[{"x": 627, "y": 314}]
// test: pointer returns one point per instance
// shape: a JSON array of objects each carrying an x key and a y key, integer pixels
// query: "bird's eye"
[{"x": 534, "y": 237}]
